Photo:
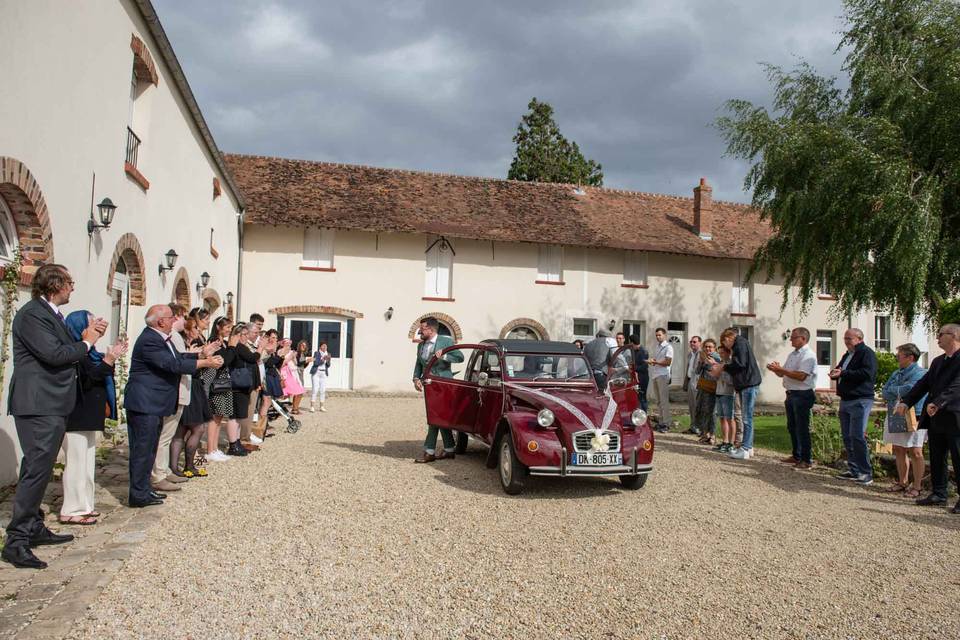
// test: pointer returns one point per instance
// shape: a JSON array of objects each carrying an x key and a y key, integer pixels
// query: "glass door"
[{"x": 337, "y": 333}]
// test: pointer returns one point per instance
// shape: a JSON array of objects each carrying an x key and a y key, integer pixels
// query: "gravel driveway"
[{"x": 334, "y": 532}]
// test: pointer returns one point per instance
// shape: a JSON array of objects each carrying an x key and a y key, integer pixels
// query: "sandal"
[
  {"x": 92, "y": 514},
  {"x": 81, "y": 520},
  {"x": 911, "y": 493},
  {"x": 896, "y": 488}
]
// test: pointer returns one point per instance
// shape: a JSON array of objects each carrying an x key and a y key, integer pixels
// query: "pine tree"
[{"x": 544, "y": 155}]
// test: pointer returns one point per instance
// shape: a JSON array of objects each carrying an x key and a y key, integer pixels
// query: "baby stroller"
[{"x": 278, "y": 409}]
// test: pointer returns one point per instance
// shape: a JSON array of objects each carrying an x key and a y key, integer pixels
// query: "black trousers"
[
  {"x": 798, "y": 405},
  {"x": 941, "y": 444},
  {"x": 143, "y": 434},
  {"x": 40, "y": 439}
]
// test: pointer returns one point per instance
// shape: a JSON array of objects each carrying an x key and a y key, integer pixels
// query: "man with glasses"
[
  {"x": 856, "y": 375},
  {"x": 941, "y": 414},
  {"x": 44, "y": 390},
  {"x": 151, "y": 395},
  {"x": 690, "y": 381}
]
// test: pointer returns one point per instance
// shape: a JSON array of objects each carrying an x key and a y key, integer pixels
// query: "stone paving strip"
[{"x": 333, "y": 532}]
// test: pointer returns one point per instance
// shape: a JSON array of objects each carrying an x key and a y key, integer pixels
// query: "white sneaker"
[
  {"x": 312, "y": 410},
  {"x": 255, "y": 440},
  {"x": 742, "y": 454},
  {"x": 217, "y": 456},
  {"x": 254, "y": 418},
  {"x": 323, "y": 408}
]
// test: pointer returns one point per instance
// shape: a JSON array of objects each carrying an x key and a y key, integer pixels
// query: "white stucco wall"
[
  {"x": 494, "y": 284},
  {"x": 64, "y": 114}
]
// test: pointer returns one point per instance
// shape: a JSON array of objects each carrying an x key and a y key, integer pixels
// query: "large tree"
[
  {"x": 544, "y": 155},
  {"x": 862, "y": 186}
]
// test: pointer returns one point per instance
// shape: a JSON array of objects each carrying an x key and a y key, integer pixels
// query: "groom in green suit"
[{"x": 433, "y": 342}]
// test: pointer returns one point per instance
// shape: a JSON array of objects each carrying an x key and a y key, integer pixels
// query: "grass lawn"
[{"x": 769, "y": 432}]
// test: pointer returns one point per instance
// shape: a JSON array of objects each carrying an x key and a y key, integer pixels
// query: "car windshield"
[{"x": 567, "y": 368}]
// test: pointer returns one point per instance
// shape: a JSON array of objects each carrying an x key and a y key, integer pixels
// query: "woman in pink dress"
[{"x": 290, "y": 376}]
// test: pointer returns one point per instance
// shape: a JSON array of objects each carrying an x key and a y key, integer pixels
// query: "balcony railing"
[{"x": 133, "y": 147}]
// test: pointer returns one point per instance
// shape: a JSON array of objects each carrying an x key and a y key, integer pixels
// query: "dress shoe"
[
  {"x": 445, "y": 455},
  {"x": 156, "y": 495},
  {"x": 49, "y": 537},
  {"x": 930, "y": 500},
  {"x": 425, "y": 457},
  {"x": 21, "y": 556},
  {"x": 175, "y": 479},
  {"x": 249, "y": 446},
  {"x": 138, "y": 504},
  {"x": 956, "y": 508},
  {"x": 790, "y": 460},
  {"x": 163, "y": 485}
]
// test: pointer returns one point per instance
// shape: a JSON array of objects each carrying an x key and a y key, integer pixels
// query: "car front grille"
[{"x": 581, "y": 441}]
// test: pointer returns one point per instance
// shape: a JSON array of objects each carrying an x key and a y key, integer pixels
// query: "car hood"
[{"x": 575, "y": 409}]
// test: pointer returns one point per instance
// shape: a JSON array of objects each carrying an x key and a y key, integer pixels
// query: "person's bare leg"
[
  {"x": 903, "y": 468},
  {"x": 213, "y": 434},
  {"x": 233, "y": 430},
  {"x": 296, "y": 403},
  {"x": 916, "y": 453}
]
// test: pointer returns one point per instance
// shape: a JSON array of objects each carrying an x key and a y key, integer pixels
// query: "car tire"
[
  {"x": 634, "y": 482},
  {"x": 510, "y": 468},
  {"x": 462, "y": 441}
]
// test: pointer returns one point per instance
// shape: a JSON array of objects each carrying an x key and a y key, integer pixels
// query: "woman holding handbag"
[
  {"x": 902, "y": 432},
  {"x": 703, "y": 420},
  {"x": 221, "y": 394}
]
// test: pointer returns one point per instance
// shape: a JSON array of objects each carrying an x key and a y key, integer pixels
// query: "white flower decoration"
[{"x": 600, "y": 442}]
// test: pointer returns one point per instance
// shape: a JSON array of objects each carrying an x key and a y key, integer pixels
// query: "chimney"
[{"x": 703, "y": 210}]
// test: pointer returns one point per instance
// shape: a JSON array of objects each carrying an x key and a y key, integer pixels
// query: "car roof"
[{"x": 535, "y": 346}]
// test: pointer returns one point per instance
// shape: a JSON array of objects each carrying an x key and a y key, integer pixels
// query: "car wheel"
[
  {"x": 511, "y": 469},
  {"x": 634, "y": 482},
  {"x": 462, "y": 441}
]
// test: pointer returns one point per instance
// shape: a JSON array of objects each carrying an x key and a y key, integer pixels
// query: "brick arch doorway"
[
  {"x": 26, "y": 220},
  {"x": 125, "y": 283},
  {"x": 181, "y": 290}
]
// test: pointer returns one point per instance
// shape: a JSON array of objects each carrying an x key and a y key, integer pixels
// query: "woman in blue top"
[{"x": 907, "y": 445}]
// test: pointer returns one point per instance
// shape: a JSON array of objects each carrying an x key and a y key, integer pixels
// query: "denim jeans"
[
  {"x": 798, "y": 405},
  {"x": 748, "y": 398},
  {"x": 430, "y": 444},
  {"x": 853, "y": 427}
]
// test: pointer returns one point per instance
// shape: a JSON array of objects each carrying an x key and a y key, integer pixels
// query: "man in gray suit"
[{"x": 43, "y": 391}]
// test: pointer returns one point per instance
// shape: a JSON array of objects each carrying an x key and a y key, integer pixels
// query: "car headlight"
[
  {"x": 638, "y": 417},
  {"x": 545, "y": 418}
]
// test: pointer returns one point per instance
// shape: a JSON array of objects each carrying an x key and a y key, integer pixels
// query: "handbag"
[
  {"x": 704, "y": 384},
  {"x": 911, "y": 421},
  {"x": 221, "y": 384},
  {"x": 241, "y": 379}
]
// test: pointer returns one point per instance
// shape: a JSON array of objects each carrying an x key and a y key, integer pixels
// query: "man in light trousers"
[
  {"x": 660, "y": 376},
  {"x": 162, "y": 477}
]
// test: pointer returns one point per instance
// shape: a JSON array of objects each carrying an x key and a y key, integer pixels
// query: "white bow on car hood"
[{"x": 574, "y": 411}]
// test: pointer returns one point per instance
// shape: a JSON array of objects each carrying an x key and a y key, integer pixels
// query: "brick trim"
[
  {"x": 20, "y": 190},
  {"x": 439, "y": 299},
  {"x": 442, "y": 317},
  {"x": 136, "y": 176},
  {"x": 322, "y": 269},
  {"x": 525, "y": 322},
  {"x": 143, "y": 64},
  {"x": 181, "y": 288},
  {"x": 311, "y": 308},
  {"x": 742, "y": 315},
  {"x": 561, "y": 283},
  {"x": 634, "y": 286},
  {"x": 128, "y": 248}
]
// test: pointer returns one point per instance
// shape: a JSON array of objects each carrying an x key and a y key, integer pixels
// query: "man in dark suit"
[
  {"x": 43, "y": 392},
  {"x": 941, "y": 413},
  {"x": 151, "y": 394},
  {"x": 856, "y": 375}
]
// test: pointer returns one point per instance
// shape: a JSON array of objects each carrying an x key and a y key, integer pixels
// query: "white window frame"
[
  {"x": 741, "y": 291},
  {"x": 635, "y": 265},
  {"x": 318, "y": 248},
  {"x": 882, "y": 321},
  {"x": 438, "y": 269},
  {"x": 550, "y": 263},
  {"x": 8, "y": 233},
  {"x": 584, "y": 336}
]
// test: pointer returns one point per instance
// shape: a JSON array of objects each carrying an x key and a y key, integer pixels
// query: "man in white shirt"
[
  {"x": 691, "y": 379},
  {"x": 660, "y": 376},
  {"x": 799, "y": 375}
]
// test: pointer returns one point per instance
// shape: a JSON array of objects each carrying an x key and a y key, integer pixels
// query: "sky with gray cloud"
[{"x": 441, "y": 85}]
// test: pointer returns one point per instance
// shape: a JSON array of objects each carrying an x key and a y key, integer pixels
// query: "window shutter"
[
  {"x": 550, "y": 263},
  {"x": 635, "y": 267},
  {"x": 439, "y": 270},
  {"x": 741, "y": 291},
  {"x": 325, "y": 248}
]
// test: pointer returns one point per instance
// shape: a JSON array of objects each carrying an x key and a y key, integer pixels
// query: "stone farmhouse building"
[
  {"x": 357, "y": 255},
  {"x": 96, "y": 106}
]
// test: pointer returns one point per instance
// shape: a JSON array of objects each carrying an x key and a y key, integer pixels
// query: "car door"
[
  {"x": 622, "y": 380},
  {"x": 490, "y": 395},
  {"x": 452, "y": 401}
]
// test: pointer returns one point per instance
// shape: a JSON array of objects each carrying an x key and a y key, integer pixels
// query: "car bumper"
[{"x": 632, "y": 469}]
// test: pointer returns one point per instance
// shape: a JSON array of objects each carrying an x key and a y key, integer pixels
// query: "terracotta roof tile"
[{"x": 300, "y": 193}]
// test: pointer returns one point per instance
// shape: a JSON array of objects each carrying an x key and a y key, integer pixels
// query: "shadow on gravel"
[
  {"x": 931, "y": 516},
  {"x": 468, "y": 472},
  {"x": 779, "y": 475}
]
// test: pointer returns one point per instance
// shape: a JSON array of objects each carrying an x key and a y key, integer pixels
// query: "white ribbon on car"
[{"x": 600, "y": 440}]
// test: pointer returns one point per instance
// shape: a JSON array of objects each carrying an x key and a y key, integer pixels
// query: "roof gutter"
[{"x": 180, "y": 80}]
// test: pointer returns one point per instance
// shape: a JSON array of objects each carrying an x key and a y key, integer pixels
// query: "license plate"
[{"x": 597, "y": 459}]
